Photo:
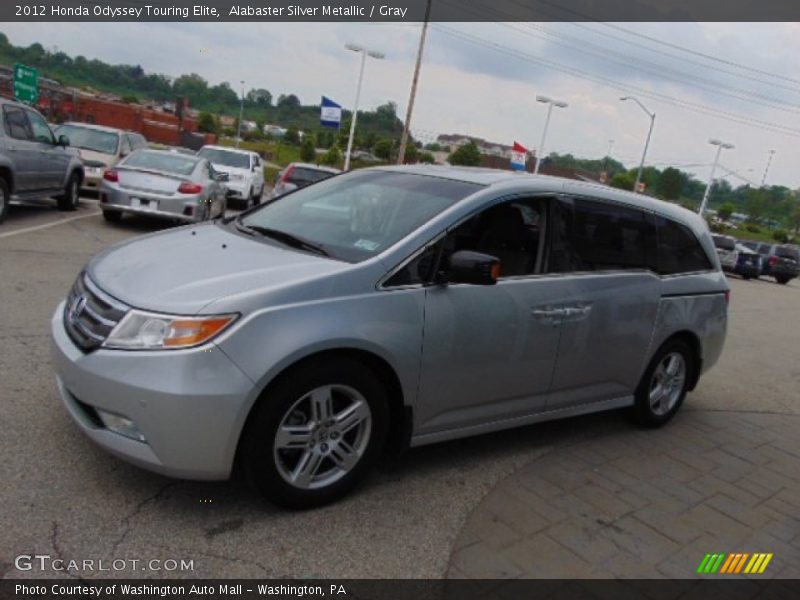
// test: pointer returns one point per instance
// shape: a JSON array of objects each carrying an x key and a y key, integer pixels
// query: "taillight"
[
  {"x": 286, "y": 173},
  {"x": 773, "y": 260},
  {"x": 111, "y": 175},
  {"x": 189, "y": 188}
]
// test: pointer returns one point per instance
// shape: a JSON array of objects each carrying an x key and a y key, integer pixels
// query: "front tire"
[
  {"x": 112, "y": 216},
  {"x": 315, "y": 433},
  {"x": 664, "y": 384},
  {"x": 782, "y": 280},
  {"x": 5, "y": 199},
  {"x": 71, "y": 198}
]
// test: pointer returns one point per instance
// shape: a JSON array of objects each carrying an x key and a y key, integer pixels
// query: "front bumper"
[
  {"x": 189, "y": 404},
  {"x": 238, "y": 190}
]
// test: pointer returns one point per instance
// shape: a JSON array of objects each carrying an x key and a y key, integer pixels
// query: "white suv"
[{"x": 245, "y": 171}]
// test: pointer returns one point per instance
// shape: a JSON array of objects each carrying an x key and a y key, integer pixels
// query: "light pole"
[
  {"x": 647, "y": 142},
  {"x": 766, "y": 169},
  {"x": 550, "y": 104},
  {"x": 241, "y": 114},
  {"x": 364, "y": 52},
  {"x": 720, "y": 147},
  {"x": 401, "y": 153}
]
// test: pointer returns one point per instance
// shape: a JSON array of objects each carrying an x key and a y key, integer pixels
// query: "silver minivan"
[{"x": 384, "y": 308}]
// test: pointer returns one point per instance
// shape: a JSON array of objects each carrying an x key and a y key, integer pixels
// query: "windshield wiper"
[{"x": 284, "y": 237}]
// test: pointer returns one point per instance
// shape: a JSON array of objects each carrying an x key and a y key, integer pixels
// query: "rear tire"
[
  {"x": 71, "y": 198},
  {"x": 112, "y": 216},
  {"x": 315, "y": 433},
  {"x": 664, "y": 384},
  {"x": 5, "y": 199},
  {"x": 782, "y": 280}
]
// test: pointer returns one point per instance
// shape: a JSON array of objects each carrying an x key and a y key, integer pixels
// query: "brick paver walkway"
[{"x": 644, "y": 503}]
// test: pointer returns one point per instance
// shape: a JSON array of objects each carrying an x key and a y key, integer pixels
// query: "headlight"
[
  {"x": 140, "y": 330},
  {"x": 235, "y": 177}
]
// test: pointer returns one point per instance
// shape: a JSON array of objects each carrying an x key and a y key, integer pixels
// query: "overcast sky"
[{"x": 482, "y": 79}]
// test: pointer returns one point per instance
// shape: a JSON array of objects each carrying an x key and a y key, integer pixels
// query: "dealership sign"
[
  {"x": 330, "y": 113},
  {"x": 519, "y": 157}
]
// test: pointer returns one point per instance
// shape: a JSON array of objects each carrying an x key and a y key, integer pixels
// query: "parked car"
[
  {"x": 298, "y": 175},
  {"x": 100, "y": 148},
  {"x": 160, "y": 183},
  {"x": 245, "y": 171},
  {"x": 726, "y": 250},
  {"x": 748, "y": 262},
  {"x": 33, "y": 162},
  {"x": 380, "y": 308},
  {"x": 780, "y": 261}
]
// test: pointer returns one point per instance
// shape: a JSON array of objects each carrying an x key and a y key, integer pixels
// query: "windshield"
[
  {"x": 217, "y": 156},
  {"x": 105, "y": 142},
  {"x": 358, "y": 215},
  {"x": 179, "y": 164}
]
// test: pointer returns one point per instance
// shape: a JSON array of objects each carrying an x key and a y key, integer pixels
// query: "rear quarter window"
[
  {"x": 679, "y": 250},
  {"x": 788, "y": 252}
]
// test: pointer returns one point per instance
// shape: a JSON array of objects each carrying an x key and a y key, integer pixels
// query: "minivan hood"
[{"x": 183, "y": 270}]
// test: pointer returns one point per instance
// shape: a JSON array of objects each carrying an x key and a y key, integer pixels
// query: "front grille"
[{"x": 90, "y": 314}]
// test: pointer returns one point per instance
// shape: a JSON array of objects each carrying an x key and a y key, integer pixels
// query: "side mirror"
[
  {"x": 466, "y": 266},
  {"x": 63, "y": 141}
]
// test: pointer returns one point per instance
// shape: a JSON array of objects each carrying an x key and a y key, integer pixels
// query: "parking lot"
[{"x": 591, "y": 496}]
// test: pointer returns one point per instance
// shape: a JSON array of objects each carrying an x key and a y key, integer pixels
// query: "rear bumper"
[
  {"x": 184, "y": 207},
  {"x": 190, "y": 405}
]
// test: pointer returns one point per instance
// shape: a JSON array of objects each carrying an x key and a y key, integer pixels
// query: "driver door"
[{"x": 489, "y": 351}]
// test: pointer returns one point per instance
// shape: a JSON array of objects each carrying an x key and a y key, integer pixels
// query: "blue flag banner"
[{"x": 330, "y": 113}]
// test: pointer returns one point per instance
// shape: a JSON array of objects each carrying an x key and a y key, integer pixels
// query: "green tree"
[
  {"x": 288, "y": 101},
  {"x": 383, "y": 149},
  {"x": 412, "y": 154},
  {"x": 206, "y": 123},
  {"x": 623, "y": 181},
  {"x": 467, "y": 155},
  {"x": 307, "y": 151},
  {"x": 333, "y": 157},
  {"x": 755, "y": 204},
  {"x": 292, "y": 135},
  {"x": 426, "y": 157},
  {"x": 670, "y": 183},
  {"x": 725, "y": 211},
  {"x": 794, "y": 218}
]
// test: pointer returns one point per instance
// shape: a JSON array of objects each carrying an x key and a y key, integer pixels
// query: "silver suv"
[
  {"x": 382, "y": 308},
  {"x": 33, "y": 163}
]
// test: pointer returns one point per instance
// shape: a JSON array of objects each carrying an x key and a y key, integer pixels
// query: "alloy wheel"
[
  {"x": 667, "y": 382},
  {"x": 322, "y": 436}
]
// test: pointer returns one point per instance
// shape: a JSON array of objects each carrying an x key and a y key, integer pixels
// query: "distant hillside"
[{"x": 132, "y": 82}]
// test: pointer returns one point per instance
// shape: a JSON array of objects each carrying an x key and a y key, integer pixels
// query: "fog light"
[{"x": 121, "y": 425}]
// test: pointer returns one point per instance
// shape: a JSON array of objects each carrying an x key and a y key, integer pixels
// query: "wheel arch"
[
  {"x": 7, "y": 174},
  {"x": 400, "y": 414},
  {"x": 693, "y": 341}
]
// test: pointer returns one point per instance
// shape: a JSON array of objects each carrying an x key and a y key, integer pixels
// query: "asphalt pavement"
[{"x": 65, "y": 498}]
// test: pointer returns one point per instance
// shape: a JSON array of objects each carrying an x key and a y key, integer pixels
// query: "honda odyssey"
[{"x": 384, "y": 308}]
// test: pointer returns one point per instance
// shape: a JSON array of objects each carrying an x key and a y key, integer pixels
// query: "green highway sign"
[{"x": 26, "y": 84}]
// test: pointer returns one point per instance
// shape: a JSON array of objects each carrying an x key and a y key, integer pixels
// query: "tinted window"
[
  {"x": 41, "y": 130},
  {"x": 16, "y": 123},
  {"x": 787, "y": 252},
  {"x": 418, "y": 271},
  {"x": 237, "y": 160},
  {"x": 764, "y": 249},
  {"x": 301, "y": 176},
  {"x": 678, "y": 249},
  {"x": 97, "y": 140},
  {"x": 356, "y": 216},
  {"x": 724, "y": 242},
  {"x": 180, "y": 164},
  {"x": 593, "y": 236}
]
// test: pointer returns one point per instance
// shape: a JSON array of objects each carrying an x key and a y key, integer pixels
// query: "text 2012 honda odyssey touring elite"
[{"x": 386, "y": 306}]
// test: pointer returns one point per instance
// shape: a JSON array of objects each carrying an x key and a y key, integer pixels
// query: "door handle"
[
  {"x": 578, "y": 310},
  {"x": 547, "y": 313}
]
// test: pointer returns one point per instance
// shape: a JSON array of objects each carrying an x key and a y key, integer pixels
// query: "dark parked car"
[
  {"x": 748, "y": 262},
  {"x": 725, "y": 246},
  {"x": 780, "y": 261},
  {"x": 299, "y": 175}
]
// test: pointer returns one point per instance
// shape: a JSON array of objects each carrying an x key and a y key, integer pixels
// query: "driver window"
[
  {"x": 512, "y": 231},
  {"x": 41, "y": 131}
]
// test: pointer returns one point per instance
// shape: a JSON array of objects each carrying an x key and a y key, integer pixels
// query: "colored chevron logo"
[{"x": 735, "y": 563}]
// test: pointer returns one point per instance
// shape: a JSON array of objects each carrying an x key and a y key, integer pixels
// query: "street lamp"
[
  {"x": 550, "y": 104},
  {"x": 647, "y": 142},
  {"x": 241, "y": 113},
  {"x": 364, "y": 53},
  {"x": 720, "y": 147}
]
